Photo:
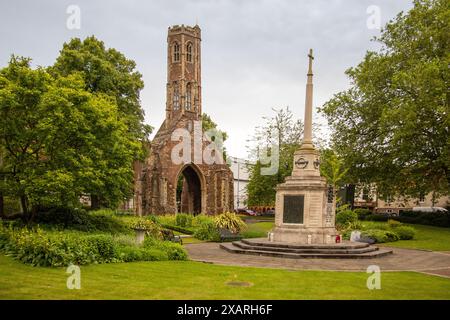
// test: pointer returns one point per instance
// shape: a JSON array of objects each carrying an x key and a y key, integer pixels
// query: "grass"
[
  {"x": 194, "y": 280},
  {"x": 257, "y": 229},
  {"x": 427, "y": 238}
]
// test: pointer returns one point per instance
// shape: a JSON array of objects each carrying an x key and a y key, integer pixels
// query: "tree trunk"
[
  {"x": 2, "y": 207},
  {"x": 23, "y": 202},
  {"x": 95, "y": 202}
]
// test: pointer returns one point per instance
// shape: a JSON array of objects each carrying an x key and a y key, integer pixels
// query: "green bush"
[
  {"x": 362, "y": 213},
  {"x": 380, "y": 236},
  {"x": 135, "y": 253},
  {"x": 11, "y": 206},
  {"x": 346, "y": 217},
  {"x": 206, "y": 230},
  {"x": 405, "y": 232},
  {"x": 183, "y": 220},
  {"x": 229, "y": 221},
  {"x": 79, "y": 219},
  {"x": 174, "y": 251},
  {"x": 438, "y": 219},
  {"x": 200, "y": 219},
  {"x": 42, "y": 248},
  {"x": 378, "y": 217},
  {"x": 394, "y": 223},
  {"x": 168, "y": 219}
]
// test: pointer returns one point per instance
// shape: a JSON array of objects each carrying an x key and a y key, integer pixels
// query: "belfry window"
[
  {"x": 189, "y": 52},
  {"x": 188, "y": 97},
  {"x": 176, "y": 52},
  {"x": 176, "y": 98}
]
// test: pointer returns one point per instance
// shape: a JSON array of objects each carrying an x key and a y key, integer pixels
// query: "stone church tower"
[{"x": 167, "y": 186}]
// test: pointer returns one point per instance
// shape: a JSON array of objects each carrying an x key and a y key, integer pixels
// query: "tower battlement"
[{"x": 177, "y": 29}]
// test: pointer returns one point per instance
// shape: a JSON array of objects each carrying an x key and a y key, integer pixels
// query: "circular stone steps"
[{"x": 345, "y": 250}]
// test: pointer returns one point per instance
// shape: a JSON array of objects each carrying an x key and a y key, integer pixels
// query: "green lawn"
[
  {"x": 257, "y": 229},
  {"x": 427, "y": 238},
  {"x": 194, "y": 280}
]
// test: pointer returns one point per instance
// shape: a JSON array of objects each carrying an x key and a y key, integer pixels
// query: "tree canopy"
[
  {"x": 391, "y": 127},
  {"x": 60, "y": 140},
  {"x": 284, "y": 133}
]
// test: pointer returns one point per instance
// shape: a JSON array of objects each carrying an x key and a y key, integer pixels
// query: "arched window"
[
  {"x": 176, "y": 97},
  {"x": 189, "y": 52},
  {"x": 188, "y": 97},
  {"x": 176, "y": 52}
]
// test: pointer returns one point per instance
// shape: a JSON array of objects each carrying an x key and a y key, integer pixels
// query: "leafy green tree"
[
  {"x": 60, "y": 141},
  {"x": 283, "y": 132},
  {"x": 333, "y": 168},
  {"x": 392, "y": 126},
  {"x": 109, "y": 72},
  {"x": 208, "y": 124}
]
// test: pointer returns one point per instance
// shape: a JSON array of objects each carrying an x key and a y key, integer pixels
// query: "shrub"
[
  {"x": 206, "y": 230},
  {"x": 438, "y": 219},
  {"x": 11, "y": 206},
  {"x": 102, "y": 246},
  {"x": 40, "y": 248},
  {"x": 393, "y": 223},
  {"x": 79, "y": 219},
  {"x": 405, "y": 232},
  {"x": 380, "y": 236},
  {"x": 362, "y": 213},
  {"x": 43, "y": 248},
  {"x": 345, "y": 217},
  {"x": 174, "y": 251},
  {"x": 200, "y": 219},
  {"x": 350, "y": 226},
  {"x": 378, "y": 217},
  {"x": 183, "y": 220},
  {"x": 134, "y": 253},
  {"x": 229, "y": 221},
  {"x": 168, "y": 219}
]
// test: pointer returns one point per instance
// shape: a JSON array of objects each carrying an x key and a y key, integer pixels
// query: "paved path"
[{"x": 437, "y": 263}]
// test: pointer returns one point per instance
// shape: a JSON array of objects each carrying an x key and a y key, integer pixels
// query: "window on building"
[
  {"x": 422, "y": 197},
  {"x": 176, "y": 52},
  {"x": 189, "y": 52},
  {"x": 176, "y": 97},
  {"x": 188, "y": 97},
  {"x": 365, "y": 194}
]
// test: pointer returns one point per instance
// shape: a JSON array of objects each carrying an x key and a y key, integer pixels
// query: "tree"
[
  {"x": 109, "y": 72},
  {"x": 333, "y": 168},
  {"x": 61, "y": 141},
  {"x": 208, "y": 124},
  {"x": 284, "y": 133},
  {"x": 392, "y": 126}
]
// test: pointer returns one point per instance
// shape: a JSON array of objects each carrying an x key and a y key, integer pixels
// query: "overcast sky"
[{"x": 254, "y": 53}]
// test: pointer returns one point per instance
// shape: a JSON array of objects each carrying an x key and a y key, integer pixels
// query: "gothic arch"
[{"x": 192, "y": 197}]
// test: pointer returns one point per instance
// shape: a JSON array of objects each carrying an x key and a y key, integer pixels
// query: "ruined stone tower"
[{"x": 193, "y": 187}]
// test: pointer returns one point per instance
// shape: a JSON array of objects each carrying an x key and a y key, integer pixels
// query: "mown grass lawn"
[
  {"x": 257, "y": 229},
  {"x": 194, "y": 280},
  {"x": 427, "y": 237}
]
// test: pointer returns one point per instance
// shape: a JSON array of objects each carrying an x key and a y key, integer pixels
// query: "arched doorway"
[{"x": 189, "y": 191}]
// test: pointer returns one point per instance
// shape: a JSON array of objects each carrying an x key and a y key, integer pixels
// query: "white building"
[{"x": 241, "y": 179}]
